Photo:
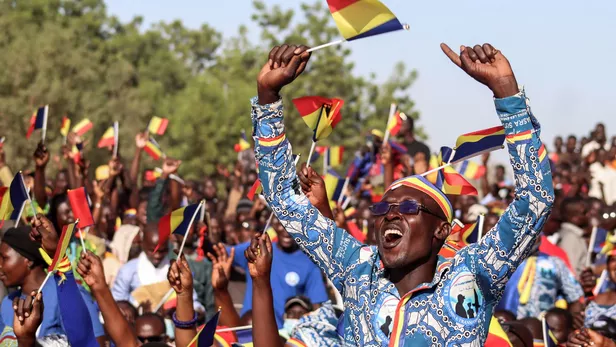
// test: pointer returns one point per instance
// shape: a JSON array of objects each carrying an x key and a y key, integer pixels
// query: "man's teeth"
[{"x": 393, "y": 232}]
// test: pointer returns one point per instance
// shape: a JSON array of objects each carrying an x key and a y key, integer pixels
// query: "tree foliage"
[{"x": 84, "y": 63}]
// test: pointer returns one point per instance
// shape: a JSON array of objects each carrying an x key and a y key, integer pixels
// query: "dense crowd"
[{"x": 392, "y": 265}]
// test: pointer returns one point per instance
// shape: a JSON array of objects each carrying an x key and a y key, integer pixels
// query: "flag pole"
[
  {"x": 29, "y": 200},
  {"x": 344, "y": 188},
  {"x": 116, "y": 135},
  {"x": 49, "y": 274},
  {"x": 480, "y": 226},
  {"x": 269, "y": 222},
  {"x": 314, "y": 144},
  {"x": 591, "y": 246},
  {"x": 83, "y": 243},
  {"x": 325, "y": 160},
  {"x": 44, "y": 130},
  {"x": 163, "y": 300},
  {"x": 333, "y": 43},
  {"x": 188, "y": 231},
  {"x": 392, "y": 112},
  {"x": 435, "y": 170}
]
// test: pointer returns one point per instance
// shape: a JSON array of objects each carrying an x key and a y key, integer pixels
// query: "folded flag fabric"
[
  {"x": 177, "y": 222},
  {"x": 205, "y": 336},
  {"x": 472, "y": 170},
  {"x": 255, "y": 190},
  {"x": 152, "y": 148},
  {"x": 12, "y": 199},
  {"x": 57, "y": 263},
  {"x": 66, "y": 126},
  {"x": 243, "y": 144},
  {"x": 158, "y": 125},
  {"x": 358, "y": 19},
  {"x": 395, "y": 124},
  {"x": 334, "y": 156},
  {"x": 80, "y": 204},
  {"x": 320, "y": 114},
  {"x": 108, "y": 138},
  {"x": 478, "y": 142},
  {"x": 333, "y": 185},
  {"x": 454, "y": 183},
  {"x": 38, "y": 120},
  {"x": 82, "y": 127}
]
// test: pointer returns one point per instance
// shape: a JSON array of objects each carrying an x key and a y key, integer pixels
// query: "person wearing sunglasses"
[
  {"x": 150, "y": 327},
  {"x": 401, "y": 293}
]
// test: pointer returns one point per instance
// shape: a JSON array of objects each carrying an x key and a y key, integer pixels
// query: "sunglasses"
[
  {"x": 151, "y": 339},
  {"x": 404, "y": 207},
  {"x": 609, "y": 215}
]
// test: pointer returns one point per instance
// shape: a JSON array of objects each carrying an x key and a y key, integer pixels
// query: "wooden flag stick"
[
  {"x": 333, "y": 43},
  {"x": 392, "y": 112},
  {"x": 49, "y": 274},
  {"x": 192, "y": 219},
  {"x": 83, "y": 242},
  {"x": 163, "y": 300},
  {"x": 480, "y": 226},
  {"x": 116, "y": 135},
  {"x": 44, "y": 130},
  {"x": 344, "y": 189},
  {"x": 314, "y": 144}
]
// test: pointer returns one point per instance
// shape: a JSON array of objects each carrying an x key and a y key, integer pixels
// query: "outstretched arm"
[
  {"x": 331, "y": 248},
  {"x": 498, "y": 254}
]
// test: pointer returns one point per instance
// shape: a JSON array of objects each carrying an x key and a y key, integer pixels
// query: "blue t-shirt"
[
  {"x": 52, "y": 320},
  {"x": 292, "y": 274}
]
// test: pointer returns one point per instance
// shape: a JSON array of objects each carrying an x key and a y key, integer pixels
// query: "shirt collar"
[{"x": 442, "y": 266}]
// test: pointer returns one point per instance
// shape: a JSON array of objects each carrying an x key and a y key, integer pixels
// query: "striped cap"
[{"x": 423, "y": 185}]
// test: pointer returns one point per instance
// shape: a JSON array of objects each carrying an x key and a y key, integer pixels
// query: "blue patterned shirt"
[{"x": 456, "y": 306}]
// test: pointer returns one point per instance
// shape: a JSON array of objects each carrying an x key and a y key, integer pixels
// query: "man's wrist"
[
  {"x": 504, "y": 87},
  {"x": 186, "y": 294},
  {"x": 261, "y": 281},
  {"x": 267, "y": 96}
]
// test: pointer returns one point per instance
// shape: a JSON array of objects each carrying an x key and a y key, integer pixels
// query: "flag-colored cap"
[{"x": 423, "y": 185}]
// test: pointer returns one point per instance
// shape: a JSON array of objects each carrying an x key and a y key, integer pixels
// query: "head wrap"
[
  {"x": 19, "y": 240},
  {"x": 423, "y": 185}
]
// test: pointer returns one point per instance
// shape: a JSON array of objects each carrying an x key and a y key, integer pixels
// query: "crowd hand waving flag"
[
  {"x": 108, "y": 138},
  {"x": 82, "y": 127},
  {"x": 320, "y": 114},
  {"x": 12, "y": 199},
  {"x": 243, "y": 144},
  {"x": 38, "y": 120},
  {"x": 478, "y": 142},
  {"x": 152, "y": 148},
  {"x": 60, "y": 262},
  {"x": 177, "y": 222},
  {"x": 158, "y": 125}
]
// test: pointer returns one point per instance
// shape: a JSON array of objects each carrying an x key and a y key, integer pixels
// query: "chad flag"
[
  {"x": 177, "y": 222},
  {"x": 333, "y": 185},
  {"x": 58, "y": 263},
  {"x": 472, "y": 170},
  {"x": 255, "y": 190},
  {"x": 12, "y": 199},
  {"x": 454, "y": 183},
  {"x": 82, "y": 127},
  {"x": 395, "y": 124},
  {"x": 497, "y": 337},
  {"x": 243, "y": 144},
  {"x": 357, "y": 19},
  {"x": 38, "y": 120},
  {"x": 158, "y": 125},
  {"x": 80, "y": 204},
  {"x": 153, "y": 149},
  {"x": 334, "y": 156},
  {"x": 320, "y": 114},
  {"x": 478, "y": 142},
  {"x": 66, "y": 126},
  {"x": 205, "y": 336},
  {"x": 108, "y": 138}
]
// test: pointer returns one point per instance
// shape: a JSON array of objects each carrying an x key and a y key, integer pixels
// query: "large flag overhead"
[
  {"x": 478, "y": 142},
  {"x": 158, "y": 125},
  {"x": 108, "y": 138},
  {"x": 82, "y": 127},
  {"x": 12, "y": 199},
  {"x": 320, "y": 114},
  {"x": 357, "y": 19},
  {"x": 38, "y": 120}
]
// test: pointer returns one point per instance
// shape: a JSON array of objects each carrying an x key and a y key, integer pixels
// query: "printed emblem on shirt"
[
  {"x": 464, "y": 299},
  {"x": 292, "y": 278},
  {"x": 384, "y": 323}
]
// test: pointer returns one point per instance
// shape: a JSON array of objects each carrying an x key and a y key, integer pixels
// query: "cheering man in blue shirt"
[{"x": 401, "y": 293}]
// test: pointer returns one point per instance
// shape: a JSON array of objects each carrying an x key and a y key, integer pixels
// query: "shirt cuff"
[
  {"x": 260, "y": 111},
  {"x": 514, "y": 113}
]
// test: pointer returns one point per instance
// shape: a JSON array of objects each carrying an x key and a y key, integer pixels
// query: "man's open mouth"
[{"x": 391, "y": 237}]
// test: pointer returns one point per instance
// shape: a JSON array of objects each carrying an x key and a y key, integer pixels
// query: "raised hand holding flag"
[{"x": 39, "y": 121}]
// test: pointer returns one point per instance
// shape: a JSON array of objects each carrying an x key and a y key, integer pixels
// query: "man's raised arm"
[
  {"x": 332, "y": 249},
  {"x": 498, "y": 254}
]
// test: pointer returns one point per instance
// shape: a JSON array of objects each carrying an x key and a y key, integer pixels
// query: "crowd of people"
[{"x": 291, "y": 267}]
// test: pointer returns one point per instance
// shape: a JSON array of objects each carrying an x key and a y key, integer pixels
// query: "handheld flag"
[
  {"x": 334, "y": 156},
  {"x": 358, "y": 19},
  {"x": 60, "y": 262},
  {"x": 318, "y": 151},
  {"x": 177, "y": 222},
  {"x": 108, "y": 138},
  {"x": 395, "y": 124},
  {"x": 478, "y": 142},
  {"x": 205, "y": 336},
  {"x": 472, "y": 170},
  {"x": 82, "y": 127},
  {"x": 80, "y": 204},
  {"x": 256, "y": 189},
  {"x": 152, "y": 148},
  {"x": 152, "y": 175},
  {"x": 12, "y": 199},
  {"x": 66, "y": 126},
  {"x": 497, "y": 337},
  {"x": 158, "y": 125},
  {"x": 320, "y": 114},
  {"x": 243, "y": 144},
  {"x": 116, "y": 139},
  {"x": 454, "y": 183},
  {"x": 333, "y": 185},
  {"x": 548, "y": 336},
  {"x": 39, "y": 121}
]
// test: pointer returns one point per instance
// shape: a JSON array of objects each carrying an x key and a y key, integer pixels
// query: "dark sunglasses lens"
[
  {"x": 380, "y": 208},
  {"x": 409, "y": 207}
]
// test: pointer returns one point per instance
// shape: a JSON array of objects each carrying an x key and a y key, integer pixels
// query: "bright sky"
[{"x": 563, "y": 52}]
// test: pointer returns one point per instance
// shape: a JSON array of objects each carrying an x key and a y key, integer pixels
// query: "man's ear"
[
  {"x": 30, "y": 263},
  {"x": 443, "y": 231}
]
